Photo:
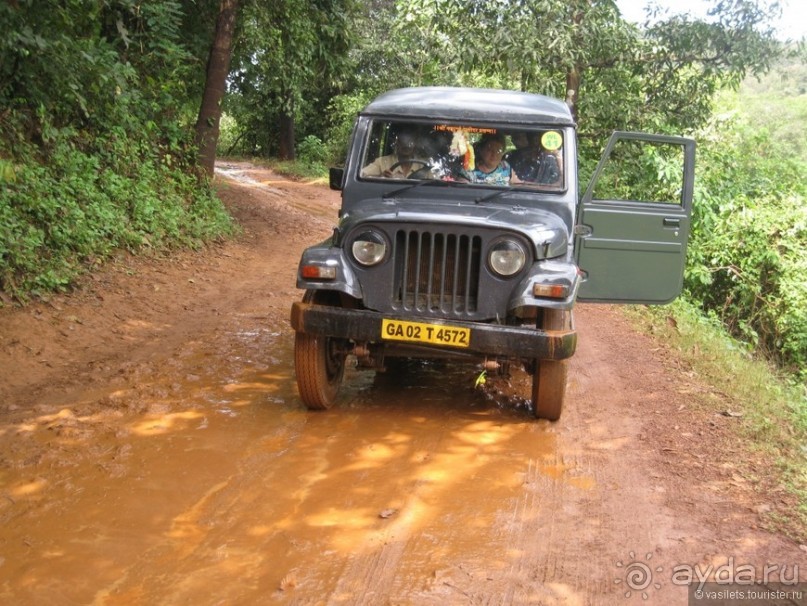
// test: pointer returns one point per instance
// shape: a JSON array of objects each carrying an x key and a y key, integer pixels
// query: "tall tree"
[
  {"x": 536, "y": 45},
  {"x": 610, "y": 72},
  {"x": 289, "y": 55},
  {"x": 218, "y": 67}
]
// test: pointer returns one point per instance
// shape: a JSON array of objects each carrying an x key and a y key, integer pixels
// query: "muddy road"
[{"x": 153, "y": 450}]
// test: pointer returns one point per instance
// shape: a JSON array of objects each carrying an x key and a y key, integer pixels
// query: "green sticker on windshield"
[{"x": 551, "y": 140}]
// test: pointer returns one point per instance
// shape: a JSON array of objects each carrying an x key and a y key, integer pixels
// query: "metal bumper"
[{"x": 486, "y": 339}]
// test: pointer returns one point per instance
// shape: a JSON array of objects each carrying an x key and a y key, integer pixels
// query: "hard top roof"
[{"x": 474, "y": 104}]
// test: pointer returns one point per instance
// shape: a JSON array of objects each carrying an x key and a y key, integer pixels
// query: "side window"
[
  {"x": 377, "y": 143},
  {"x": 642, "y": 171}
]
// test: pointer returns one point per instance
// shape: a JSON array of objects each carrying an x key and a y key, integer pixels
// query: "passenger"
[
  {"x": 491, "y": 168},
  {"x": 436, "y": 147},
  {"x": 400, "y": 164},
  {"x": 535, "y": 164},
  {"x": 520, "y": 142},
  {"x": 516, "y": 157}
]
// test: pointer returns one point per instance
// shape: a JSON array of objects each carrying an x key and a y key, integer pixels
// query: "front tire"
[
  {"x": 320, "y": 368},
  {"x": 319, "y": 363},
  {"x": 549, "y": 376}
]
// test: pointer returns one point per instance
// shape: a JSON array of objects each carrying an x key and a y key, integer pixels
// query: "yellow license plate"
[{"x": 419, "y": 332}]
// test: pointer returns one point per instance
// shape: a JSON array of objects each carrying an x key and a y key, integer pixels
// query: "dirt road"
[{"x": 153, "y": 450}]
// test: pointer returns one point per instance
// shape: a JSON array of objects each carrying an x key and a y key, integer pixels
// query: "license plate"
[{"x": 420, "y": 332}]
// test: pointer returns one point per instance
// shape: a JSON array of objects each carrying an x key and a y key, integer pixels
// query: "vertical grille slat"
[
  {"x": 418, "y": 256},
  {"x": 437, "y": 273},
  {"x": 469, "y": 269},
  {"x": 443, "y": 257},
  {"x": 455, "y": 273}
]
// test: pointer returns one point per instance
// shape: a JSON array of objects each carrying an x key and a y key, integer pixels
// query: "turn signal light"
[
  {"x": 318, "y": 272},
  {"x": 553, "y": 291}
]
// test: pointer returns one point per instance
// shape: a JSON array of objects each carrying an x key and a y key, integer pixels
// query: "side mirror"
[{"x": 335, "y": 178}]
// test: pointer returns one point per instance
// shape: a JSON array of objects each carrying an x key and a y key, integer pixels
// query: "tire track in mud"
[
  {"x": 190, "y": 473},
  {"x": 480, "y": 506}
]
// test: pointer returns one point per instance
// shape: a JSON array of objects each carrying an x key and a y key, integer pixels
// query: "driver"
[{"x": 398, "y": 165}]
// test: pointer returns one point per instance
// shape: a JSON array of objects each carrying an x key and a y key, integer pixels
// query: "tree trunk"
[
  {"x": 574, "y": 73},
  {"x": 286, "y": 143},
  {"x": 218, "y": 67},
  {"x": 572, "y": 90}
]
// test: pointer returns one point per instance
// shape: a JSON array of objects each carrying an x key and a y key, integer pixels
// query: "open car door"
[{"x": 633, "y": 220}]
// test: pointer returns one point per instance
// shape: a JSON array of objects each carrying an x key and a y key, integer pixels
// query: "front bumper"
[{"x": 486, "y": 339}]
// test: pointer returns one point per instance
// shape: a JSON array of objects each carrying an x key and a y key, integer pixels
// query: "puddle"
[{"x": 210, "y": 483}]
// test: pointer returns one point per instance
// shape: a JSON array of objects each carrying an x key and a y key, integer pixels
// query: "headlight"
[
  {"x": 369, "y": 248},
  {"x": 507, "y": 258}
]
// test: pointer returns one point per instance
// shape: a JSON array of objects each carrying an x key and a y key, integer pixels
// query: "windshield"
[{"x": 466, "y": 153}]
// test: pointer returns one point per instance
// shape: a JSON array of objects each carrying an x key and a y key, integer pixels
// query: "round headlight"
[
  {"x": 507, "y": 258},
  {"x": 369, "y": 248}
]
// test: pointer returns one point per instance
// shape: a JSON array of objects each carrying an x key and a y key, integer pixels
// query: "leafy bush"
[
  {"x": 56, "y": 219},
  {"x": 343, "y": 110},
  {"x": 95, "y": 149},
  {"x": 312, "y": 152},
  {"x": 748, "y": 257}
]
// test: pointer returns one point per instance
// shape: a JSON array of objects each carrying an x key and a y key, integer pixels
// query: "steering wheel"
[{"x": 426, "y": 165}]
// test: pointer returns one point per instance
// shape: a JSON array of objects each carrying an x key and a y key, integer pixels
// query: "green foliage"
[
  {"x": 777, "y": 103},
  {"x": 312, "y": 152},
  {"x": 530, "y": 45},
  {"x": 58, "y": 219},
  {"x": 636, "y": 171},
  {"x": 684, "y": 62},
  {"x": 287, "y": 63},
  {"x": 748, "y": 255},
  {"x": 88, "y": 65},
  {"x": 95, "y": 151},
  {"x": 343, "y": 110}
]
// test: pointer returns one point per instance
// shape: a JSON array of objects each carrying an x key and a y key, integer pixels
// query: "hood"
[{"x": 546, "y": 230}]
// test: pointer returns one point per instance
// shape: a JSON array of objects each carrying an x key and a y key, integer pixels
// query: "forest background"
[{"x": 101, "y": 108}]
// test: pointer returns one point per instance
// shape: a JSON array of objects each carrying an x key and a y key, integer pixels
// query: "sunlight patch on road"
[
  {"x": 158, "y": 425},
  {"x": 29, "y": 488}
]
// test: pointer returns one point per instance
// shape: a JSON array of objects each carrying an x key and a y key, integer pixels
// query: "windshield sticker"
[
  {"x": 468, "y": 129},
  {"x": 551, "y": 140}
]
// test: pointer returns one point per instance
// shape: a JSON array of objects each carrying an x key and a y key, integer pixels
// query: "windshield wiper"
[
  {"x": 400, "y": 190},
  {"x": 492, "y": 195}
]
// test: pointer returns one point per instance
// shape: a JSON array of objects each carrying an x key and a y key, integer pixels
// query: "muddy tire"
[
  {"x": 319, "y": 364},
  {"x": 549, "y": 376},
  {"x": 320, "y": 367}
]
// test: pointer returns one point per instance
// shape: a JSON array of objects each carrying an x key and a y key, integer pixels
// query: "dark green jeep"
[{"x": 462, "y": 235}]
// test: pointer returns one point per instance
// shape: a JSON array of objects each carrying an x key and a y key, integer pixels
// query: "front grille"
[{"x": 436, "y": 273}]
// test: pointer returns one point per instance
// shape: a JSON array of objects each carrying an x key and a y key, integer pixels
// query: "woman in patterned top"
[{"x": 491, "y": 168}]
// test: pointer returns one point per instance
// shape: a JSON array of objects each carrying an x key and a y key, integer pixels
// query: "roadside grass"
[{"x": 772, "y": 408}]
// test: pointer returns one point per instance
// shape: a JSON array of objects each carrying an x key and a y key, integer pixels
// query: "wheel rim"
[{"x": 334, "y": 361}]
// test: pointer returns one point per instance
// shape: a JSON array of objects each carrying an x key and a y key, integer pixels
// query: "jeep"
[{"x": 462, "y": 235}]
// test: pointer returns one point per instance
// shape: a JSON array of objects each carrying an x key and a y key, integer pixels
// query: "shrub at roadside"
[
  {"x": 96, "y": 106},
  {"x": 59, "y": 218},
  {"x": 748, "y": 256}
]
